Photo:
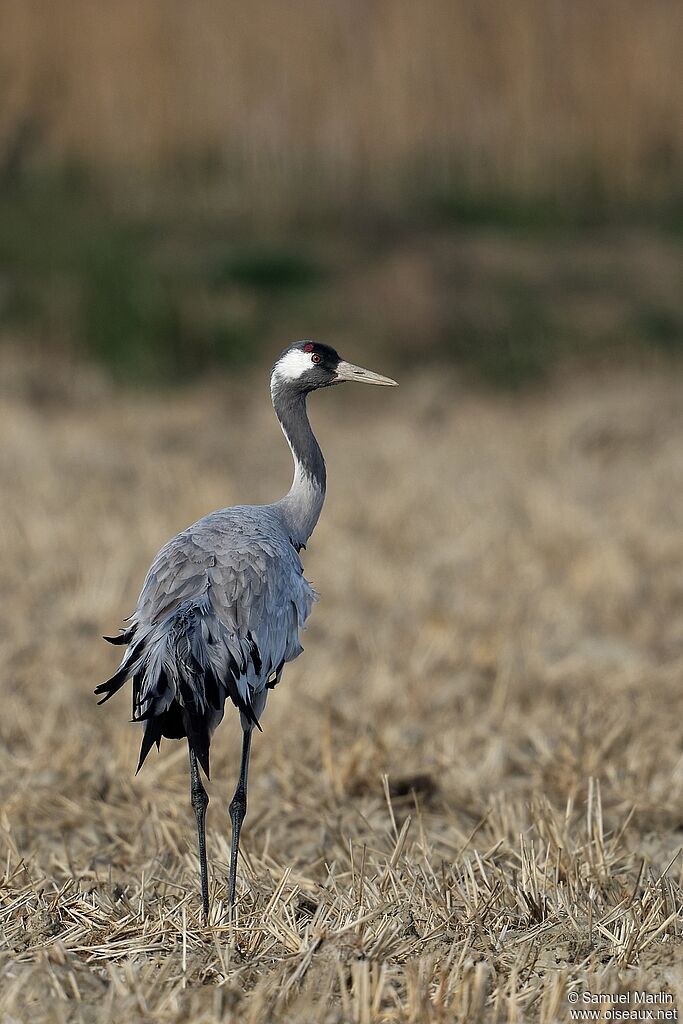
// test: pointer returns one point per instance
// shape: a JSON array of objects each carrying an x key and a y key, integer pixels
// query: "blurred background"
[{"x": 495, "y": 186}]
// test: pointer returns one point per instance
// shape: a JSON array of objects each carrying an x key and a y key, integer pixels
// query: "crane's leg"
[
  {"x": 238, "y": 810},
  {"x": 200, "y": 801}
]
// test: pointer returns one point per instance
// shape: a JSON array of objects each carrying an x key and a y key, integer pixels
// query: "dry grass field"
[{"x": 467, "y": 801}]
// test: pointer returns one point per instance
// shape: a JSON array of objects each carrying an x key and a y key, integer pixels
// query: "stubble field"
[{"x": 467, "y": 802}]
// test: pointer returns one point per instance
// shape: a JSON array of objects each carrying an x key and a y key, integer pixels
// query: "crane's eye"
[{"x": 315, "y": 358}]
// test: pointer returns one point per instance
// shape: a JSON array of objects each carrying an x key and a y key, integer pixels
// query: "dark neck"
[{"x": 301, "y": 506}]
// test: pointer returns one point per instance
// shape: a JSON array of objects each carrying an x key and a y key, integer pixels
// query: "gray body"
[
  {"x": 221, "y": 607},
  {"x": 226, "y": 597}
]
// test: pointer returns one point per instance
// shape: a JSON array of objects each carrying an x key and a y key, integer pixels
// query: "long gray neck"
[{"x": 302, "y": 504}]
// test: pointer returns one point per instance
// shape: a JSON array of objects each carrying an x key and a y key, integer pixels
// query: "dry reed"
[{"x": 306, "y": 101}]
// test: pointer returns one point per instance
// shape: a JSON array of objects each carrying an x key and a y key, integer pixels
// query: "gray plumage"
[
  {"x": 218, "y": 617},
  {"x": 223, "y": 602}
]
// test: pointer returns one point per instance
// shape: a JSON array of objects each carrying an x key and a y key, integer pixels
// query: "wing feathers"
[
  {"x": 218, "y": 616},
  {"x": 193, "y": 663},
  {"x": 113, "y": 685},
  {"x": 124, "y": 637},
  {"x": 151, "y": 735}
]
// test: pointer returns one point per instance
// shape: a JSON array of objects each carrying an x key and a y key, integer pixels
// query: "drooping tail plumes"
[{"x": 183, "y": 669}]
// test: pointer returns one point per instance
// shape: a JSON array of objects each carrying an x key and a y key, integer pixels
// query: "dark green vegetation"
[{"x": 510, "y": 292}]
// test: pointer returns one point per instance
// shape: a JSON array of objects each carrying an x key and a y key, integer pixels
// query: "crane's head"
[{"x": 308, "y": 365}]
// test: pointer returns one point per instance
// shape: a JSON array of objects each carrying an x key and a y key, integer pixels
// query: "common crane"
[{"x": 223, "y": 602}]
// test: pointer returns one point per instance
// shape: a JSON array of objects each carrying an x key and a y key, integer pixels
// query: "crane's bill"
[{"x": 347, "y": 371}]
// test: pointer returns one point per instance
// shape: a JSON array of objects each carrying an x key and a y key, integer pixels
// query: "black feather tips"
[
  {"x": 113, "y": 685},
  {"x": 124, "y": 637},
  {"x": 194, "y": 709}
]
